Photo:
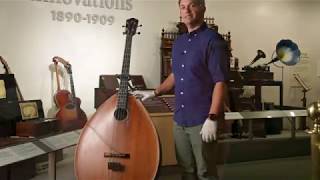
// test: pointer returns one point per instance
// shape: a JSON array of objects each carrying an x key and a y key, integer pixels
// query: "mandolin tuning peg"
[
  {"x": 139, "y": 33},
  {"x": 124, "y": 26},
  {"x": 124, "y": 33},
  {"x": 140, "y": 25}
]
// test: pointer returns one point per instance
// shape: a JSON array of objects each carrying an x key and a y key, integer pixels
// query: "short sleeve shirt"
[{"x": 199, "y": 60}]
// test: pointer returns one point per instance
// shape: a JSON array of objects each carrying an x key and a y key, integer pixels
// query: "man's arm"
[
  {"x": 210, "y": 126},
  {"x": 166, "y": 86},
  {"x": 217, "y": 104}
]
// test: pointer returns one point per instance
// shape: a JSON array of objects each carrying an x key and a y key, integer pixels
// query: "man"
[{"x": 199, "y": 63}]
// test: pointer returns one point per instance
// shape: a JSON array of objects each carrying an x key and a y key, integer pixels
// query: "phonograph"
[
  {"x": 259, "y": 72},
  {"x": 286, "y": 52}
]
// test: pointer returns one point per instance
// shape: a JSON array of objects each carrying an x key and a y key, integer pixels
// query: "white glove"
[
  {"x": 209, "y": 130},
  {"x": 144, "y": 95}
]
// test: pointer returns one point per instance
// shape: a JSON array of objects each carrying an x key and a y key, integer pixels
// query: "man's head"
[
  {"x": 192, "y": 12},
  {"x": 196, "y": 1}
]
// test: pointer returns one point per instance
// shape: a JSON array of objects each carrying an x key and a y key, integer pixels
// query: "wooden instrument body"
[
  {"x": 62, "y": 97},
  {"x": 71, "y": 116},
  {"x": 104, "y": 134}
]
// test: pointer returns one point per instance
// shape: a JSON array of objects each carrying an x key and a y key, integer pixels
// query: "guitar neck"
[
  {"x": 73, "y": 92},
  {"x": 57, "y": 76},
  {"x": 67, "y": 65},
  {"x": 20, "y": 97}
]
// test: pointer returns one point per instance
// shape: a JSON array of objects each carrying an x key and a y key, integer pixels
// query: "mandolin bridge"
[
  {"x": 117, "y": 155},
  {"x": 116, "y": 166}
]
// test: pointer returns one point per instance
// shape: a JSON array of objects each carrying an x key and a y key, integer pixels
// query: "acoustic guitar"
[
  {"x": 119, "y": 142},
  {"x": 70, "y": 115}
]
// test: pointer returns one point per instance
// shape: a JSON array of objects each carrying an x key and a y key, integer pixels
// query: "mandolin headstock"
[{"x": 131, "y": 27}]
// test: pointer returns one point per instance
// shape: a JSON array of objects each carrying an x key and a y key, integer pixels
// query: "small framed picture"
[
  {"x": 3, "y": 94},
  {"x": 29, "y": 110}
]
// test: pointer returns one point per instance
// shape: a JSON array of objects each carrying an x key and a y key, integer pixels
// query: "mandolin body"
[{"x": 103, "y": 135}]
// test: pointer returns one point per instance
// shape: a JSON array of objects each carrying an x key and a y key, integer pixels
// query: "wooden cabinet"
[
  {"x": 167, "y": 39},
  {"x": 163, "y": 123}
]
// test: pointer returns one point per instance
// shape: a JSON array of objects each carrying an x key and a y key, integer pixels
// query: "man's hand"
[
  {"x": 144, "y": 95},
  {"x": 209, "y": 130}
]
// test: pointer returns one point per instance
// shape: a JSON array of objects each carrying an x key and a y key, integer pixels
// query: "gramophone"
[
  {"x": 261, "y": 68},
  {"x": 259, "y": 72},
  {"x": 260, "y": 54}
]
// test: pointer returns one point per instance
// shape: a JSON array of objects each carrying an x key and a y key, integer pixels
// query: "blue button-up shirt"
[{"x": 199, "y": 60}]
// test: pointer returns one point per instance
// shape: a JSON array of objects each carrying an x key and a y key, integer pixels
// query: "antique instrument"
[
  {"x": 119, "y": 142},
  {"x": 160, "y": 104},
  {"x": 70, "y": 114},
  {"x": 8, "y": 71},
  {"x": 313, "y": 111},
  {"x": 20, "y": 117},
  {"x": 260, "y": 54},
  {"x": 62, "y": 96},
  {"x": 33, "y": 122}
]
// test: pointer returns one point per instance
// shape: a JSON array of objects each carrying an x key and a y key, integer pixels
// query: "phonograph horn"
[
  {"x": 287, "y": 52},
  {"x": 260, "y": 54}
]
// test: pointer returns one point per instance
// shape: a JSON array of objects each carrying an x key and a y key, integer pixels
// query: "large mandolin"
[{"x": 119, "y": 142}]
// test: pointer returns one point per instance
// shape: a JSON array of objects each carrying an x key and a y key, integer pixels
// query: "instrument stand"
[
  {"x": 303, "y": 122},
  {"x": 305, "y": 89}
]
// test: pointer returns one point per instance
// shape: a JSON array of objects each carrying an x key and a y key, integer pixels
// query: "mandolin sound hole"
[{"x": 120, "y": 114}]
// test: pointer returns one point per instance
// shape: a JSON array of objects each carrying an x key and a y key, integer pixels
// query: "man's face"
[{"x": 191, "y": 12}]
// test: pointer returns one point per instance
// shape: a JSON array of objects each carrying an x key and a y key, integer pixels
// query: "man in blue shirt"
[{"x": 199, "y": 63}]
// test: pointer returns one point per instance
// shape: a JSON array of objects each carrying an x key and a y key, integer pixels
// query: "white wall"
[{"x": 29, "y": 39}]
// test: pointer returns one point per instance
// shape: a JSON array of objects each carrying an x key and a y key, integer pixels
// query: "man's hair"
[{"x": 201, "y": 2}]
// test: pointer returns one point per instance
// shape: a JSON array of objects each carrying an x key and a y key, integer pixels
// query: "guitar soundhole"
[
  {"x": 120, "y": 114},
  {"x": 70, "y": 106}
]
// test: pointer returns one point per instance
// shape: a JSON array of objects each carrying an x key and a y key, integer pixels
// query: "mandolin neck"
[{"x": 124, "y": 77}]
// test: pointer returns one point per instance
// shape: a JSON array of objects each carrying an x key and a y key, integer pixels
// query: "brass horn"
[{"x": 260, "y": 54}]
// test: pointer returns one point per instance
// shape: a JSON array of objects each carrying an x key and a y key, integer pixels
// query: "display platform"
[
  {"x": 18, "y": 154},
  {"x": 287, "y": 144}
]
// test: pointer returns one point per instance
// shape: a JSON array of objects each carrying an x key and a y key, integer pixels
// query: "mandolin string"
[
  {"x": 122, "y": 112},
  {"x": 119, "y": 110},
  {"x": 124, "y": 81},
  {"x": 110, "y": 172}
]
